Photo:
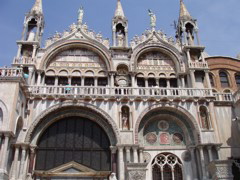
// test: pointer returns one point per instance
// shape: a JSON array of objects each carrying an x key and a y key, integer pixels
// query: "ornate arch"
[
  {"x": 4, "y": 109},
  {"x": 62, "y": 110},
  {"x": 170, "y": 108},
  {"x": 61, "y": 46},
  {"x": 173, "y": 54}
]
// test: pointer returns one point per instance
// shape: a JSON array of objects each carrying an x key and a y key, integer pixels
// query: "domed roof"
[{"x": 238, "y": 56}]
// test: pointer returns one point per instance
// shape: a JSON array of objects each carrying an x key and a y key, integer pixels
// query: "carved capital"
[{"x": 137, "y": 175}]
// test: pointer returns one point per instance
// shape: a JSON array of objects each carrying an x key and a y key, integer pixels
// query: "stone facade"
[{"x": 154, "y": 108}]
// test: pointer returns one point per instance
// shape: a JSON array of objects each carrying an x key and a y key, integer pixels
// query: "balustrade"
[
  {"x": 11, "y": 72},
  {"x": 118, "y": 91},
  {"x": 223, "y": 96},
  {"x": 198, "y": 65},
  {"x": 24, "y": 60}
]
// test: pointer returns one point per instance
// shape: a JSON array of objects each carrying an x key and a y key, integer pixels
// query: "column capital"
[
  {"x": 24, "y": 146},
  {"x": 7, "y": 133},
  {"x": 209, "y": 147},
  {"x": 32, "y": 148},
  {"x": 127, "y": 148},
  {"x": 113, "y": 149},
  {"x": 112, "y": 73}
]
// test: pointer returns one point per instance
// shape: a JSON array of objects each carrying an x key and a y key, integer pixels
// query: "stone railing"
[
  {"x": 236, "y": 95},
  {"x": 11, "y": 72},
  {"x": 24, "y": 60},
  {"x": 118, "y": 91},
  {"x": 223, "y": 97},
  {"x": 198, "y": 65}
]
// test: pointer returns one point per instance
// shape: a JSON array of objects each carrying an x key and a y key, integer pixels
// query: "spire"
[
  {"x": 37, "y": 8},
  {"x": 119, "y": 10},
  {"x": 183, "y": 11}
]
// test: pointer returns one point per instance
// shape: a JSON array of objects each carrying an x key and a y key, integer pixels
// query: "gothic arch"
[
  {"x": 67, "y": 44},
  {"x": 174, "y": 109},
  {"x": 62, "y": 110},
  {"x": 4, "y": 112},
  {"x": 174, "y": 55}
]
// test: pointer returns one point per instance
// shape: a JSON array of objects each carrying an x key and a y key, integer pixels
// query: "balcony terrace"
[
  {"x": 118, "y": 92},
  {"x": 24, "y": 61}
]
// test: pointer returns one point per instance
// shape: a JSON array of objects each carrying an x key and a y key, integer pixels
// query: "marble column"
[
  {"x": 15, "y": 163},
  {"x": 146, "y": 82},
  {"x": 34, "y": 51},
  {"x": 39, "y": 78},
  {"x": 209, "y": 148},
  {"x": 112, "y": 80},
  {"x": 128, "y": 155},
  {"x": 188, "y": 56},
  {"x": 22, "y": 163},
  {"x": 5, "y": 152},
  {"x": 120, "y": 164},
  {"x": 168, "y": 83},
  {"x": 141, "y": 155},
  {"x": 133, "y": 80},
  {"x": 193, "y": 80},
  {"x": 202, "y": 162},
  {"x": 82, "y": 81},
  {"x": 30, "y": 69},
  {"x": 207, "y": 79},
  {"x": 193, "y": 163},
  {"x": 135, "y": 154},
  {"x": 32, "y": 159},
  {"x": 95, "y": 81},
  {"x": 218, "y": 148},
  {"x": 19, "y": 50},
  {"x": 114, "y": 163},
  {"x": 114, "y": 37}
]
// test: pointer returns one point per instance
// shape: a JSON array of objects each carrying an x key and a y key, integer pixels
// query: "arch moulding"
[
  {"x": 68, "y": 44},
  {"x": 174, "y": 108},
  {"x": 176, "y": 57},
  {"x": 61, "y": 110}
]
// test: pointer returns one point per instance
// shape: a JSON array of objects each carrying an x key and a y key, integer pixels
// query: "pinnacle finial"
[
  {"x": 119, "y": 10},
  {"x": 37, "y": 7},
  {"x": 183, "y": 10}
]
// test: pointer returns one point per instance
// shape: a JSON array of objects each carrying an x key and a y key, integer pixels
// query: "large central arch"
[{"x": 62, "y": 110}]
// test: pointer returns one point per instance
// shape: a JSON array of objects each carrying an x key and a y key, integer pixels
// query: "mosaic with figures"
[
  {"x": 164, "y": 132},
  {"x": 155, "y": 60},
  {"x": 80, "y": 57}
]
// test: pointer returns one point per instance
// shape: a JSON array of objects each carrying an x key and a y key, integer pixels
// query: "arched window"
[
  {"x": 211, "y": 80},
  {"x": 237, "y": 78},
  {"x": 166, "y": 166},
  {"x": 74, "y": 139},
  {"x": 224, "y": 79},
  {"x": 204, "y": 116},
  {"x": 1, "y": 118}
]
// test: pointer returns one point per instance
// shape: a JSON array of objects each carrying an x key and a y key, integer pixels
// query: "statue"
[
  {"x": 152, "y": 18},
  {"x": 80, "y": 15},
  {"x": 125, "y": 118},
  {"x": 190, "y": 38},
  {"x": 112, "y": 176}
]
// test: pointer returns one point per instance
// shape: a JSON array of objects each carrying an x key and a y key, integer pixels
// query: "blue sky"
[{"x": 218, "y": 20}]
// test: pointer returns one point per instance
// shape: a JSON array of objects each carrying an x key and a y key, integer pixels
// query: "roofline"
[{"x": 227, "y": 57}]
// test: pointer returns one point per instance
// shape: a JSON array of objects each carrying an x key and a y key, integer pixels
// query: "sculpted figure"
[
  {"x": 152, "y": 18},
  {"x": 80, "y": 15}
]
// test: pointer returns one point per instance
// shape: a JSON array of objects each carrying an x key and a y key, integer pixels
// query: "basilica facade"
[{"x": 153, "y": 108}]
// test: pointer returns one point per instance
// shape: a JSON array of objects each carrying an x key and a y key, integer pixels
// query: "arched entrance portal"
[{"x": 73, "y": 148}]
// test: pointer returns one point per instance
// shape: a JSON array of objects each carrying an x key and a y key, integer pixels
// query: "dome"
[{"x": 238, "y": 56}]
